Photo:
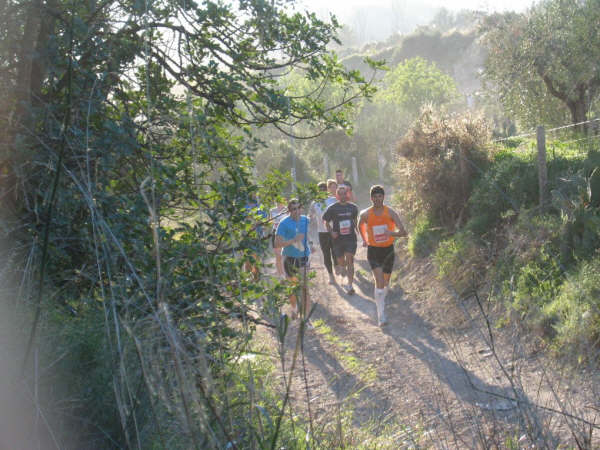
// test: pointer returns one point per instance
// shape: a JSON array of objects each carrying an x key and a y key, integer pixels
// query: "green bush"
[
  {"x": 510, "y": 183},
  {"x": 576, "y": 308},
  {"x": 535, "y": 285},
  {"x": 461, "y": 261},
  {"x": 578, "y": 200},
  {"x": 424, "y": 238}
]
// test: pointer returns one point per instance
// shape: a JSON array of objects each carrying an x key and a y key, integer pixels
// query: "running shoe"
[{"x": 351, "y": 291}]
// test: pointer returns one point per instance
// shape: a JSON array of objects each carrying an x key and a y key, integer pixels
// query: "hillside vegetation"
[
  {"x": 480, "y": 220},
  {"x": 457, "y": 53}
]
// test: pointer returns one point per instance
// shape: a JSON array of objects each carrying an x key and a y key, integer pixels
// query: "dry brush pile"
[{"x": 438, "y": 160}]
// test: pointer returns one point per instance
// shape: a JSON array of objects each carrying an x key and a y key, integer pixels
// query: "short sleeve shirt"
[
  {"x": 276, "y": 215},
  {"x": 343, "y": 218},
  {"x": 287, "y": 229},
  {"x": 319, "y": 208}
]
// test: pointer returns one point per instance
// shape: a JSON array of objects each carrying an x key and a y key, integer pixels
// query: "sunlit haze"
[
  {"x": 343, "y": 7},
  {"x": 377, "y": 19}
]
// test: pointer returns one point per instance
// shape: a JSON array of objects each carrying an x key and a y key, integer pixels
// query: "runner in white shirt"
[
  {"x": 316, "y": 211},
  {"x": 332, "y": 189}
]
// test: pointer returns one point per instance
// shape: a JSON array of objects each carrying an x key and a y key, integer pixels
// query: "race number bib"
[
  {"x": 345, "y": 227},
  {"x": 379, "y": 233}
]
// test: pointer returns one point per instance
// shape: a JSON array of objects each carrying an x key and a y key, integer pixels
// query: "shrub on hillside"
[
  {"x": 533, "y": 272},
  {"x": 578, "y": 200},
  {"x": 576, "y": 309},
  {"x": 436, "y": 168},
  {"x": 536, "y": 284},
  {"x": 423, "y": 238},
  {"x": 509, "y": 183},
  {"x": 461, "y": 261}
]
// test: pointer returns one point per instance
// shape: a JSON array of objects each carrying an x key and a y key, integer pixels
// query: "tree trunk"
[
  {"x": 579, "y": 108},
  {"x": 30, "y": 74},
  {"x": 39, "y": 63},
  {"x": 25, "y": 58}
]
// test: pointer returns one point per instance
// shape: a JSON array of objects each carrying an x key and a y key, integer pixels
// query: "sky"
[
  {"x": 340, "y": 6},
  {"x": 374, "y": 20}
]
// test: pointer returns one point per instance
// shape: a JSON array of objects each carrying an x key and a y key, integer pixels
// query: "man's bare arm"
[
  {"x": 280, "y": 242},
  {"x": 401, "y": 230},
  {"x": 362, "y": 220}
]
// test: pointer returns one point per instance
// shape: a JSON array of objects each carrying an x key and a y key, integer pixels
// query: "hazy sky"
[
  {"x": 375, "y": 19},
  {"x": 342, "y": 6}
]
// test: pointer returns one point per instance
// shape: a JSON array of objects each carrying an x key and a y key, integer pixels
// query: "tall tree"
[
  {"x": 127, "y": 146},
  {"x": 552, "y": 50}
]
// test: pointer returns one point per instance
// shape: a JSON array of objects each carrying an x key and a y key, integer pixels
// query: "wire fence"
[{"x": 551, "y": 130}]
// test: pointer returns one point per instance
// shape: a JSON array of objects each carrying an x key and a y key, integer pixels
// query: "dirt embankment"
[{"x": 431, "y": 377}]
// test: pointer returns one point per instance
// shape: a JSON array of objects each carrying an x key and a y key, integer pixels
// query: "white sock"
[{"x": 380, "y": 303}]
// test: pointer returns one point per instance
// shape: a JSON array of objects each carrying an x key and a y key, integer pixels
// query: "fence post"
[{"x": 542, "y": 165}]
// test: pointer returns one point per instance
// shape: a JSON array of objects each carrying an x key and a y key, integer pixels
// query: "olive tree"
[{"x": 545, "y": 62}]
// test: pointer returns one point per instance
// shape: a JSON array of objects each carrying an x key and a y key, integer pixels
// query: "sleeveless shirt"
[{"x": 376, "y": 226}]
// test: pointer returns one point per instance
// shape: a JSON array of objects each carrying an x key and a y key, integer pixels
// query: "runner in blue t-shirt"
[{"x": 292, "y": 235}]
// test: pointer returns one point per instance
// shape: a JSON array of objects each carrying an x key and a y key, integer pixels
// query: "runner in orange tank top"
[{"x": 376, "y": 226}]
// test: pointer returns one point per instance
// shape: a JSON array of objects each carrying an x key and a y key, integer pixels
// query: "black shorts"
[
  {"x": 343, "y": 245},
  {"x": 292, "y": 265},
  {"x": 381, "y": 257}
]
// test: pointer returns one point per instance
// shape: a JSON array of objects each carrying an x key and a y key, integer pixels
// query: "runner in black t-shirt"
[{"x": 341, "y": 220}]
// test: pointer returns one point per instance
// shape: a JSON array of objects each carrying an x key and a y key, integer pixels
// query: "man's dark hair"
[
  {"x": 339, "y": 170},
  {"x": 322, "y": 185},
  {"x": 377, "y": 189}
]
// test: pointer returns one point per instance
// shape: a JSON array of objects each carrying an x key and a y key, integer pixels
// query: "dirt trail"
[{"x": 428, "y": 373}]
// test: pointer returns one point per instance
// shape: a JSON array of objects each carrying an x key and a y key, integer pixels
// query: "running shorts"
[
  {"x": 381, "y": 257},
  {"x": 292, "y": 265},
  {"x": 342, "y": 246}
]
